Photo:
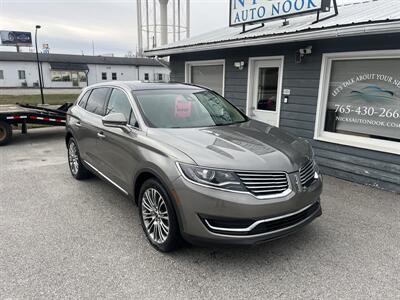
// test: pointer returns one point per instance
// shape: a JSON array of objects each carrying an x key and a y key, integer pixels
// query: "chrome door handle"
[
  {"x": 78, "y": 124},
  {"x": 101, "y": 135}
]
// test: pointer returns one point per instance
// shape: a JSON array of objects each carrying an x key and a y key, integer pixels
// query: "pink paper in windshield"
[{"x": 183, "y": 108}]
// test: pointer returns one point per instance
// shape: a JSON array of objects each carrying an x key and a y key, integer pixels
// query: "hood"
[{"x": 245, "y": 146}]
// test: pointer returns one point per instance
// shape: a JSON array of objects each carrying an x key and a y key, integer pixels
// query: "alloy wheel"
[
  {"x": 155, "y": 216},
  {"x": 73, "y": 158}
]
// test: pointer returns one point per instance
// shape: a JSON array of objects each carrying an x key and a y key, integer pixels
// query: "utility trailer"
[{"x": 23, "y": 114}]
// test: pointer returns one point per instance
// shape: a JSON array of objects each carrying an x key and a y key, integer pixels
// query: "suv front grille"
[
  {"x": 264, "y": 184},
  {"x": 307, "y": 174}
]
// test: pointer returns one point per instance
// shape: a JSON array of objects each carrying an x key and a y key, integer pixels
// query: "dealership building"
[
  {"x": 20, "y": 70},
  {"x": 331, "y": 78}
]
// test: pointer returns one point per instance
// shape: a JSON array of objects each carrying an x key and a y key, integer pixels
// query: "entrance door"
[
  {"x": 266, "y": 90},
  {"x": 75, "y": 79}
]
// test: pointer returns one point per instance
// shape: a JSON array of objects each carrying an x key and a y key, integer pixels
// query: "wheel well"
[
  {"x": 67, "y": 137},
  {"x": 139, "y": 182}
]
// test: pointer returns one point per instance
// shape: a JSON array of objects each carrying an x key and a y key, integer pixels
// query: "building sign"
[
  {"x": 15, "y": 38},
  {"x": 254, "y": 11},
  {"x": 364, "y": 98}
]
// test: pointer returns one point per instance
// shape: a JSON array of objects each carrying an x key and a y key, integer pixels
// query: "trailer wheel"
[{"x": 5, "y": 133}]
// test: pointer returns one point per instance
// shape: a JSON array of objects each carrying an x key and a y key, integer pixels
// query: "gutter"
[{"x": 348, "y": 31}]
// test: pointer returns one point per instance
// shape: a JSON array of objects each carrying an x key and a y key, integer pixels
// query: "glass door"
[{"x": 266, "y": 91}]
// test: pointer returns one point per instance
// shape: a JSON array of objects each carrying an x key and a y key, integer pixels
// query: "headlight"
[
  {"x": 211, "y": 177},
  {"x": 311, "y": 149}
]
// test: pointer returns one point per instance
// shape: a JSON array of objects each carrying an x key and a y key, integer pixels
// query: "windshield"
[{"x": 186, "y": 108}]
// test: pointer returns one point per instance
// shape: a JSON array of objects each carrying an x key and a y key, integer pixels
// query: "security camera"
[
  {"x": 239, "y": 65},
  {"x": 305, "y": 51}
]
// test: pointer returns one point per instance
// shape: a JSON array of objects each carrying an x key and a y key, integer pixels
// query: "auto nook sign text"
[{"x": 253, "y": 11}]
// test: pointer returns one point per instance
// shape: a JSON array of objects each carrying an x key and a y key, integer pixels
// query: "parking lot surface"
[{"x": 62, "y": 238}]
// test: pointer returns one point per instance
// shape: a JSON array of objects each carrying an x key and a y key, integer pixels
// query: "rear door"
[
  {"x": 91, "y": 124},
  {"x": 118, "y": 149}
]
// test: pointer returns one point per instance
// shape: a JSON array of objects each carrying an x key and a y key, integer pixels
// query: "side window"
[
  {"x": 114, "y": 76},
  {"x": 21, "y": 74},
  {"x": 119, "y": 103},
  {"x": 103, "y": 76},
  {"x": 84, "y": 99},
  {"x": 146, "y": 76},
  {"x": 97, "y": 100}
]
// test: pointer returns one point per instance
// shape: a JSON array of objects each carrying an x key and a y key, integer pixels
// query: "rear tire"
[
  {"x": 158, "y": 217},
  {"x": 78, "y": 170},
  {"x": 5, "y": 133}
]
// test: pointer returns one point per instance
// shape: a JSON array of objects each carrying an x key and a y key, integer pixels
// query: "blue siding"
[{"x": 374, "y": 168}]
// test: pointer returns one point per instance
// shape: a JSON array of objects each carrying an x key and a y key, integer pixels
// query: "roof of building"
[
  {"x": 361, "y": 17},
  {"x": 79, "y": 59}
]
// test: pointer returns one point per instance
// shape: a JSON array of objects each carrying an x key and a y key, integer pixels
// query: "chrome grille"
[
  {"x": 307, "y": 173},
  {"x": 264, "y": 184}
]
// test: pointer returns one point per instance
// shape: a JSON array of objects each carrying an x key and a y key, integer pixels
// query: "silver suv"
[{"x": 197, "y": 167}]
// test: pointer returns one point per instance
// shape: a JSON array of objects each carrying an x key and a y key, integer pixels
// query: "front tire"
[
  {"x": 78, "y": 170},
  {"x": 158, "y": 217}
]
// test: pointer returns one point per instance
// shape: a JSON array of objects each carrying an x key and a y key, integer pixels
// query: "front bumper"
[{"x": 222, "y": 217}]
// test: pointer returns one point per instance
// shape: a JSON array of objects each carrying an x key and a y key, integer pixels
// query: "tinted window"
[
  {"x": 119, "y": 103},
  {"x": 97, "y": 101},
  {"x": 84, "y": 99},
  {"x": 186, "y": 108}
]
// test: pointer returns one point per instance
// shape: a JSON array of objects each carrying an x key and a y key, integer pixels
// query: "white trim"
[
  {"x": 250, "y": 81},
  {"x": 339, "y": 138},
  {"x": 106, "y": 178},
  {"x": 330, "y": 33},
  {"x": 256, "y": 223},
  {"x": 215, "y": 62}
]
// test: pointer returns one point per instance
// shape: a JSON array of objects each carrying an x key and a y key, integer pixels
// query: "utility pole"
[{"x": 38, "y": 64}]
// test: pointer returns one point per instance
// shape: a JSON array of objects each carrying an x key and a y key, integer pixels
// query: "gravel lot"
[{"x": 61, "y": 238}]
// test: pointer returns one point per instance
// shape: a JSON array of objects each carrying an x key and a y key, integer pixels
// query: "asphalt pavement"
[{"x": 62, "y": 238}]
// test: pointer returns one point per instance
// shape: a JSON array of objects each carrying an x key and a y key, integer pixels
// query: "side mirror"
[{"x": 116, "y": 120}]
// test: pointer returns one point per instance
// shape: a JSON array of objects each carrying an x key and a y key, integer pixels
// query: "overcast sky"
[{"x": 70, "y": 26}]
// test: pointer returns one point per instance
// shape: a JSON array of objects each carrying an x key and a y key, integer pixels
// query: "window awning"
[{"x": 68, "y": 66}]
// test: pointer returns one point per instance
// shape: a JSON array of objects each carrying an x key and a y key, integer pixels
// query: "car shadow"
[{"x": 38, "y": 135}]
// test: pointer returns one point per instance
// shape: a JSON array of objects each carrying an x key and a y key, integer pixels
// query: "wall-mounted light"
[
  {"x": 239, "y": 65},
  {"x": 303, "y": 52}
]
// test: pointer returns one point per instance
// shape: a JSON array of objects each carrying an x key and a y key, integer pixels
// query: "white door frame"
[
  {"x": 250, "y": 82},
  {"x": 215, "y": 62}
]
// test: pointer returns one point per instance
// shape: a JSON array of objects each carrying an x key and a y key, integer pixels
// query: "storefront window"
[
  {"x": 66, "y": 76},
  {"x": 362, "y": 101},
  {"x": 56, "y": 76}
]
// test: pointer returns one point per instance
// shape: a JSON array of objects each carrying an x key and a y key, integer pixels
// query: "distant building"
[{"x": 19, "y": 70}]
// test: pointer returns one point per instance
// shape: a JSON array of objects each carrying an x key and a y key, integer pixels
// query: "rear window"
[
  {"x": 84, "y": 99},
  {"x": 97, "y": 100}
]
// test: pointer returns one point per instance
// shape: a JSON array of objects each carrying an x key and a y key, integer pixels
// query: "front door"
[{"x": 266, "y": 89}]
